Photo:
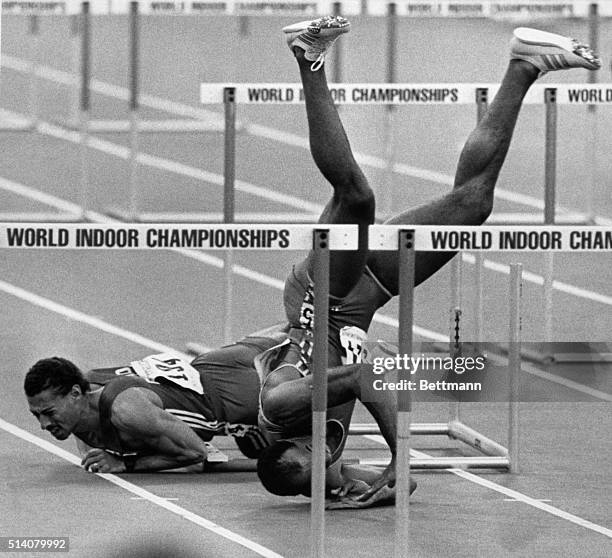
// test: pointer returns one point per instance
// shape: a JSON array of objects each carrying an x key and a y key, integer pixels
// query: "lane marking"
[
  {"x": 266, "y": 132},
  {"x": 142, "y": 493},
  {"x": 158, "y": 347},
  {"x": 217, "y": 179},
  {"x": 141, "y": 498},
  {"x": 514, "y": 500},
  {"x": 243, "y": 272},
  {"x": 35, "y": 299},
  {"x": 513, "y": 494},
  {"x": 84, "y": 318}
]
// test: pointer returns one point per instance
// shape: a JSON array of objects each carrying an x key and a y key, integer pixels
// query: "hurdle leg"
[
  {"x": 550, "y": 184},
  {"x": 319, "y": 391},
  {"x": 34, "y": 60},
  {"x": 386, "y": 196},
  {"x": 75, "y": 49},
  {"x": 229, "y": 179},
  {"x": 592, "y": 117},
  {"x": 406, "y": 256},
  {"x": 514, "y": 364},
  {"x": 84, "y": 106},
  {"x": 482, "y": 99},
  {"x": 133, "y": 27}
]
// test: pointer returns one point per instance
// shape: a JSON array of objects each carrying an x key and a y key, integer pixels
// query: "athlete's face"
[{"x": 59, "y": 414}]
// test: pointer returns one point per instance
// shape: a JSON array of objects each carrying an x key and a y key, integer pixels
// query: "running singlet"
[
  {"x": 186, "y": 404},
  {"x": 217, "y": 394},
  {"x": 349, "y": 317}
]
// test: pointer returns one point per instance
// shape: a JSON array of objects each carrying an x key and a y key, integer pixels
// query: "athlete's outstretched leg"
[
  {"x": 353, "y": 200},
  {"x": 471, "y": 200}
]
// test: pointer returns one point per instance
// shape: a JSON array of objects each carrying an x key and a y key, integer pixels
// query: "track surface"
[{"x": 66, "y": 302}]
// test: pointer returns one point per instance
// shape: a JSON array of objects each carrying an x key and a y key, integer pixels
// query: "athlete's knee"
[
  {"x": 357, "y": 197},
  {"x": 475, "y": 199}
]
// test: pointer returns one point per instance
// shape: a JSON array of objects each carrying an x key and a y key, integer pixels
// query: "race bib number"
[
  {"x": 169, "y": 367},
  {"x": 353, "y": 341}
]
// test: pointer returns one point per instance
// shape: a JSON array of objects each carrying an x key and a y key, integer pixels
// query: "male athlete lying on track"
[
  {"x": 362, "y": 282},
  {"x": 156, "y": 413}
]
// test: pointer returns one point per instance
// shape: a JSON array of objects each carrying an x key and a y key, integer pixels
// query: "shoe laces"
[{"x": 316, "y": 65}]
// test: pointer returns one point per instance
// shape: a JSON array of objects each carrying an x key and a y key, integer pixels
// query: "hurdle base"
[
  {"x": 423, "y": 429},
  {"x": 477, "y": 462},
  {"x": 474, "y": 439},
  {"x": 494, "y": 454},
  {"x": 172, "y": 125}
]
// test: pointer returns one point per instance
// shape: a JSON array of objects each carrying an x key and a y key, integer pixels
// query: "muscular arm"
[{"x": 138, "y": 414}]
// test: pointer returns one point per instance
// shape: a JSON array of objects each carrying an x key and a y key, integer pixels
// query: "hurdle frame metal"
[{"x": 493, "y": 454}]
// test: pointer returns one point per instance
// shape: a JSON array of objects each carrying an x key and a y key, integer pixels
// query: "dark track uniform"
[
  {"x": 216, "y": 394},
  {"x": 355, "y": 310},
  {"x": 349, "y": 320}
]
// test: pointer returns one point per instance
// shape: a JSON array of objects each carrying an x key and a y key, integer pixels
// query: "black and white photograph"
[{"x": 306, "y": 278}]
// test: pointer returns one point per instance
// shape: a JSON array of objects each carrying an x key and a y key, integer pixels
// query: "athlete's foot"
[
  {"x": 315, "y": 38},
  {"x": 550, "y": 52}
]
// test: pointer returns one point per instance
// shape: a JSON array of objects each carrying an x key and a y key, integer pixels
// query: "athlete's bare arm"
[{"x": 166, "y": 442}]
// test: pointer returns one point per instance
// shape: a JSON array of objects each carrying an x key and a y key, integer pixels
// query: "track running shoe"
[
  {"x": 316, "y": 37},
  {"x": 550, "y": 52}
]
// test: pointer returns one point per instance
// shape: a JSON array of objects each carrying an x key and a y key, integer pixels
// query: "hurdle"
[
  {"x": 421, "y": 238},
  {"x": 321, "y": 238},
  {"x": 493, "y": 454},
  {"x": 398, "y": 94}
]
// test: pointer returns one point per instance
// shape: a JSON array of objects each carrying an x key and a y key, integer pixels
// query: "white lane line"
[
  {"x": 141, "y": 498},
  {"x": 94, "y": 322},
  {"x": 199, "y": 256},
  {"x": 279, "y": 285},
  {"x": 142, "y": 493},
  {"x": 38, "y": 196},
  {"x": 266, "y": 132},
  {"x": 277, "y": 197},
  {"x": 513, "y": 494},
  {"x": 84, "y": 318},
  {"x": 514, "y": 500},
  {"x": 145, "y": 342},
  {"x": 530, "y": 369},
  {"x": 539, "y": 280}
]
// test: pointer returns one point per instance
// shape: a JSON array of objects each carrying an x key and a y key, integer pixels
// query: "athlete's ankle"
[{"x": 525, "y": 68}]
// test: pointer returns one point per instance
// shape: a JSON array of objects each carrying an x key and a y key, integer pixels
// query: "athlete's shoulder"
[
  {"x": 104, "y": 375},
  {"x": 116, "y": 385}
]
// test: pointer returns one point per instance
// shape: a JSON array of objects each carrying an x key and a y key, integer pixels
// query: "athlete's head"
[
  {"x": 284, "y": 468},
  {"x": 55, "y": 390}
]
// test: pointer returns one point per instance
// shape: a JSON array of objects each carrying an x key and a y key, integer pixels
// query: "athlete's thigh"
[{"x": 444, "y": 211}]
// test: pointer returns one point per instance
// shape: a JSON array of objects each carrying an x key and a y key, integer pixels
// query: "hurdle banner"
[
  {"x": 155, "y": 236},
  {"x": 516, "y": 9},
  {"x": 498, "y": 238}
]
